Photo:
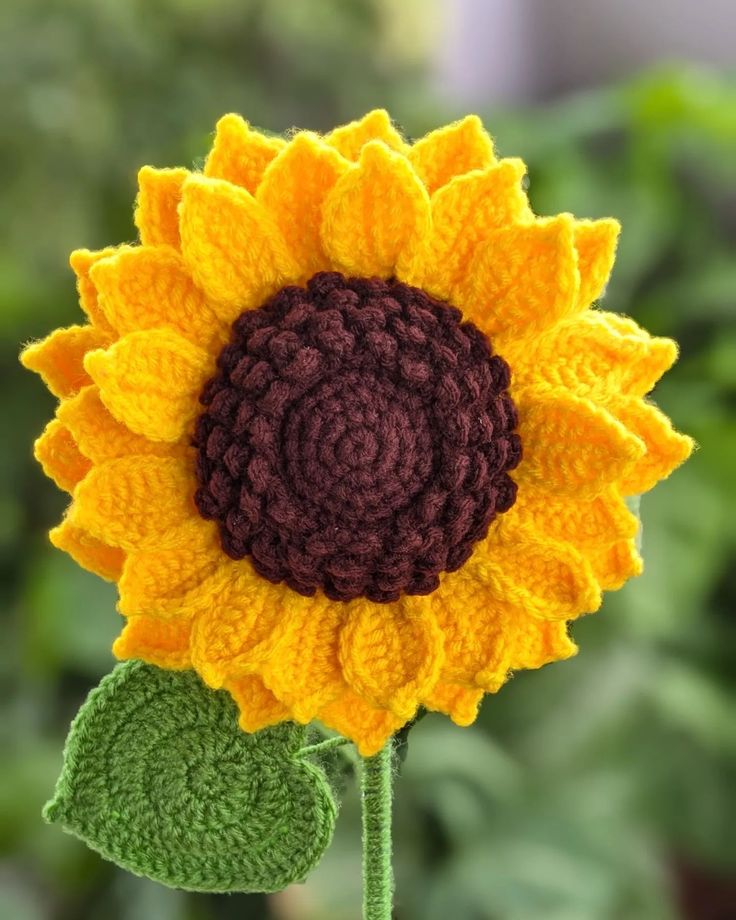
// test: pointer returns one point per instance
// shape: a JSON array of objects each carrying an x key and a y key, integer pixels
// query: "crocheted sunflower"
[{"x": 346, "y": 426}]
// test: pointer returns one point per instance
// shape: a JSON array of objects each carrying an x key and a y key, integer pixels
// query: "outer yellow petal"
[
  {"x": 81, "y": 261},
  {"x": 89, "y": 552},
  {"x": 614, "y": 565},
  {"x": 148, "y": 288},
  {"x": 258, "y": 707},
  {"x": 464, "y": 213},
  {"x": 536, "y": 643},
  {"x": 151, "y": 382},
  {"x": 522, "y": 280},
  {"x": 135, "y": 501},
  {"x": 232, "y": 246},
  {"x": 173, "y": 582},
  {"x": 595, "y": 241},
  {"x": 571, "y": 446},
  {"x": 451, "y": 151},
  {"x": 57, "y": 452},
  {"x": 157, "y": 207},
  {"x": 391, "y": 654},
  {"x": 666, "y": 449},
  {"x": 376, "y": 214},
  {"x": 355, "y": 718},
  {"x": 240, "y": 154},
  {"x": 58, "y": 358},
  {"x": 459, "y": 703},
  {"x": 294, "y": 189},
  {"x": 161, "y": 642},
  {"x": 350, "y": 139}
]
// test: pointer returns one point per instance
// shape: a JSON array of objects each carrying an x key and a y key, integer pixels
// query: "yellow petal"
[
  {"x": 451, "y": 151},
  {"x": 535, "y": 643},
  {"x": 258, "y": 707},
  {"x": 464, "y": 213},
  {"x": 666, "y": 448},
  {"x": 157, "y": 207},
  {"x": 135, "y": 501},
  {"x": 293, "y": 191},
  {"x": 172, "y": 582},
  {"x": 57, "y": 452},
  {"x": 391, "y": 654},
  {"x": 595, "y": 241},
  {"x": 571, "y": 446},
  {"x": 366, "y": 725},
  {"x": 614, "y": 565},
  {"x": 232, "y": 246},
  {"x": 148, "y": 288},
  {"x": 81, "y": 261},
  {"x": 89, "y": 552},
  {"x": 164, "y": 643},
  {"x": 151, "y": 381},
  {"x": 303, "y": 668},
  {"x": 58, "y": 358},
  {"x": 350, "y": 139},
  {"x": 98, "y": 435},
  {"x": 240, "y": 155},
  {"x": 459, "y": 703},
  {"x": 375, "y": 215},
  {"x": 653, "y": 360},
  {"x": 535, "y": 574},
  {"x": 522, "y": 280}
]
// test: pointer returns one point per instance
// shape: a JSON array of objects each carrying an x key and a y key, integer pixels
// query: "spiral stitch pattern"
[{"x": 357, "y": 437}]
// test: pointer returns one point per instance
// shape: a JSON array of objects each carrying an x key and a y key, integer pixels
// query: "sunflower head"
[{"x": 347, "y": 426}]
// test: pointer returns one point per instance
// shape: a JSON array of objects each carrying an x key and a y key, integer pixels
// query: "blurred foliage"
[{"x": 595, "y": 790}]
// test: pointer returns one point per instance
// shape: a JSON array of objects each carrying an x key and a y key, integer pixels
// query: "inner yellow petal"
[
  {"x": 81, "y": 261},
  {"x": 595, "y": 241},
  {"x": 164, "y": 643},
  {"x": 451, "y": 151},
  {"x": 240, "y": 155},
  {"x": 89, "y": 552},
  {"x": 60, "y": 458},
  {"x": 350, "y": 139},
  {"x": 258, "y": 706},
  {"x": 58, "y": 358}
]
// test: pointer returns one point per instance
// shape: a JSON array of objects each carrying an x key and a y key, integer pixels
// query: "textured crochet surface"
[
  {"x": 159, "y": 778},
  {"x": 345, "y": 505}
]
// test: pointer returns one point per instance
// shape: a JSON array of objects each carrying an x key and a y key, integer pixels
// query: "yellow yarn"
[{"x": 442, "y": 214}]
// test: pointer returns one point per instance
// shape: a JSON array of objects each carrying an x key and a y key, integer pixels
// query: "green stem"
[{"x": 378, "y": 883}]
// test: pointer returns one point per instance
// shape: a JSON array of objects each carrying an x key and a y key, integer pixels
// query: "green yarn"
[
  {"x": 159, "y": 778},
  {"x": 376, "y": 792}
]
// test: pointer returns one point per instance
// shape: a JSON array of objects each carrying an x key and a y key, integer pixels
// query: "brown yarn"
[{"x": 356, "y": 438}]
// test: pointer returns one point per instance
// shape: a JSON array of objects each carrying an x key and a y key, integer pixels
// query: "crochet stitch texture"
[{"x": 214, "y": 538}]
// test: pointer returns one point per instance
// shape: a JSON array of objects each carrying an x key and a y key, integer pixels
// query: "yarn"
[
  {"x": 159, "y": 779},
  {"x": 357, "y": 438}
]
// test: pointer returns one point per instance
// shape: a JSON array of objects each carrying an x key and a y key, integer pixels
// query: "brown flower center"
[{"x": 357, "y": 438}]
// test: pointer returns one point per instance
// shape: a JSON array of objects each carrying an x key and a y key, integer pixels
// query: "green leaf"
[{"x": 159, "y": 778}]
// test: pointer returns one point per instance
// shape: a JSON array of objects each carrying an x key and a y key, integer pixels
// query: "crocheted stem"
[{"x": 376, "y": 792}]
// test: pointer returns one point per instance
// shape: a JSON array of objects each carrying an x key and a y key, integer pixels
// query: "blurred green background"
[{"x": 599, "y": 789}]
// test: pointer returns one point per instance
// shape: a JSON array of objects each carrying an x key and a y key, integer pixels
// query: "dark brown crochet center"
[{"x": 357, "y": 437}]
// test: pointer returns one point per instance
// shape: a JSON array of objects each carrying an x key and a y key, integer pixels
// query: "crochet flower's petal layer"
[
  {"x": 135, "y": 501},
  {"x": 101, "y": 437},
  {"x": 528, "y": 571},
  {"x": 595, "y": 241},
  {"x": 391, "y": 654},
  {"x": 240, "y": 154},
  {"x": 164, "y": 582},
  {"x": 571, "y": 446},
  {"x": 350, "y": 139},
  {"x": 451, "y": 151},
  {"x": 60, "y": 458},
  {"x": 353, "y": 717},
  {"x": 258, "y": 707},
  {"x": 304, "y": 172},
  {"x": 164, "y": 643},
  {"x": 614, "y": 565},
  {"x": 150, "y": 287},
  {"x": 666, "y": 449},
  {"x": 376, "y": 214},
  {"x": 89, "y": 552},
  {"x": 464, "y": 213},
  {"x": 59, "y": 358},
  {"x": 303, "y": 668},
  {"x": 151, "y": 382},
  {"x": 157, "y": 206},
  {"x": 459, "y": 703},
  {"x": 232, "y": 246},
  {"x": 82, "y": 261},
  {"x": 522, "y": 280}
]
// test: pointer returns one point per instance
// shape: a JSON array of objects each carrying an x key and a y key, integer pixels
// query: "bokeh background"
[{"x": 599, "y": 789}]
